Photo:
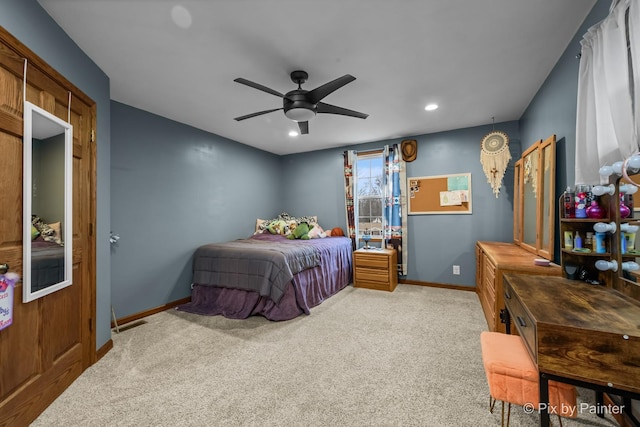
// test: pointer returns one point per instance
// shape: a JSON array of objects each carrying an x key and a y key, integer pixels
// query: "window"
[{"x": 369, "y": 194}]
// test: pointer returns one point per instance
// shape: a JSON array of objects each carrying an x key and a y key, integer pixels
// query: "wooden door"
[{"x": 52, "y": 339}]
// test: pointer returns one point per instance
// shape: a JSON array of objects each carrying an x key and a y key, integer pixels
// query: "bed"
[{"x": 269, "y": 275}]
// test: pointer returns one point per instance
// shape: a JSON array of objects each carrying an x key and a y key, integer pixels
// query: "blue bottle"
[{"x": 600, "y": 243}]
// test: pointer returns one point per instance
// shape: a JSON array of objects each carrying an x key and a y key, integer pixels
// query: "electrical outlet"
[{"x": 456, "y": 270}]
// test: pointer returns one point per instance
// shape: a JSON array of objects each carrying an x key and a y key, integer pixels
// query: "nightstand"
[{"x": 375, "y": 269}]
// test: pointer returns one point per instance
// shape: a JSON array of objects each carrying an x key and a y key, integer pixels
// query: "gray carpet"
[{"x": 362, "y": 358}]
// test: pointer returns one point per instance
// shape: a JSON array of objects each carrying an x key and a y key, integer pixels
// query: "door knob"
[{"x": 4, "y": 268}]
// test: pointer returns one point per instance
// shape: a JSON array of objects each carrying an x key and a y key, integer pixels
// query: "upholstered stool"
[{"x": 513, "y": 377}]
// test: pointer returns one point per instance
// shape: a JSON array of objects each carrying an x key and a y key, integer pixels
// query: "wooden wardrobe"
[{"x": 52, "y": 339}]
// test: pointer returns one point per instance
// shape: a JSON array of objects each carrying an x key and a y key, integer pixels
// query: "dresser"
[
  {"x": 493, "y": 260},
  {"x": 375, "y": 269},
  {"x": 586, "y": 335}
]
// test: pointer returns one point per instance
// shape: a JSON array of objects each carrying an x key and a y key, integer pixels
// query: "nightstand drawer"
[
  {"x": 372, "y": 261},
  {"x": 372, "y": 275}
]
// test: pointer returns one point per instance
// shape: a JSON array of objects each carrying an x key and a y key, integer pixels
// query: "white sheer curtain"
[{"x": 605, "y": 125}]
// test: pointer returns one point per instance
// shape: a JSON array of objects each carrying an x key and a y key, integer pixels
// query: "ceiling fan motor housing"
[{"x": 296, "y": 107}]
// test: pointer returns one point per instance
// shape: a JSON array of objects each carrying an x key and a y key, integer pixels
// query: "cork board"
[{"x": 439, "y": 194}]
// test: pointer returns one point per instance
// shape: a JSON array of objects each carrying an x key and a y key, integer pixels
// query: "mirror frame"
[
  {"x": 544, "y": 220},
  {"x": 546, "y": 202},
  {"x": 31, "y": 110},
  {"x": 517, "y": 201}
]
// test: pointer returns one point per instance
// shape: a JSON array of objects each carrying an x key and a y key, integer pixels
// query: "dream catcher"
[{"x": 495, "y": 156}]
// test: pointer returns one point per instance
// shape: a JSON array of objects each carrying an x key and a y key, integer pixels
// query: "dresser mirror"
[
  {"x": 47, "y": 192},
  {"x": 534, "y": 198},
  {"x": 529, "y": 225}
]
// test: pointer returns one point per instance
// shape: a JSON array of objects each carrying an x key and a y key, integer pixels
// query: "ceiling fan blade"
[
  {"x": 258, "y": 86},
  {"x": 320, "y": 92},
  {"x": 332, "y": 109},
  {"x": 259, "y": 113},
  {"x": 304, "y": 127}
]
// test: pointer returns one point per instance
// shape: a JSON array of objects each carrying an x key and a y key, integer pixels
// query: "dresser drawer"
[
  {"x": 521, "y": 320},
  {"x": 489, "y": 275},
  {"x": 489, "y": 310}
]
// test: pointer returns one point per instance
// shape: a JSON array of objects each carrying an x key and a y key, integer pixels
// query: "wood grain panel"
[
  {"x": 11, "y": 88},
  {"x": 594, "y": 356},
  {"x": 10, "y": 192}
]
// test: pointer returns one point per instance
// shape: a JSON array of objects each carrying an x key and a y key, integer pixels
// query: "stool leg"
[
  {"x": 508, "y": 414},
  {"x": 502, "y": 416},
  {"x": 560, "y": 420},
  {"x": 492, "y": 403}
]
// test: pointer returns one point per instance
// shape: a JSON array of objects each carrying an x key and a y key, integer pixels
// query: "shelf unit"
[{"x": 586, "y": 261}]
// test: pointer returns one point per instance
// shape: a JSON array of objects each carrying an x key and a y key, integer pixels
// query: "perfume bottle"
[
  {"x": 624, "y": 210},
  {"x": 569, "y": 203},
  {"x": 595, "y": 210}
]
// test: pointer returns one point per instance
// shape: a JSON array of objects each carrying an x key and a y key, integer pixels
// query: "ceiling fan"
[{"x": 301, "y": 105}]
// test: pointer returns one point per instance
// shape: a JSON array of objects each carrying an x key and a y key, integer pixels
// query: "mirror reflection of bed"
[
  {"x": 47, "y": 203},
  {"x": 47, "y": 254}
]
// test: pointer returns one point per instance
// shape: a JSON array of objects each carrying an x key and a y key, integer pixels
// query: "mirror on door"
[{"x": 47, "y": 192}]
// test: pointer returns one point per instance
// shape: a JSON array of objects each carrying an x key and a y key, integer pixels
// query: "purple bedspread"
[{"x": 307, "y": 289}]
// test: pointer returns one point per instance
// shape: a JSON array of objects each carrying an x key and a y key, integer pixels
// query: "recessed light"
[
  {"x": 293, "y": 133},
  {"x": 431, "y": 107},
  {"x": 181, "y": 16}
]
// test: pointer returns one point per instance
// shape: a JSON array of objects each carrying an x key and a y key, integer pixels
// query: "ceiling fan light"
[{"x": 300, "y": 114}]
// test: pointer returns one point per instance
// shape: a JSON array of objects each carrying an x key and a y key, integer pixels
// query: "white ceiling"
[{"x": 480, "y": 60}]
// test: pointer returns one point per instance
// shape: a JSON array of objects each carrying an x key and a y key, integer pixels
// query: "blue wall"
[
  {"x": 173, "y": 189},
  {"x": 30, "y": 24},
  {"x": 316, "y": 187},
  {"x": 553, "y": 109}
]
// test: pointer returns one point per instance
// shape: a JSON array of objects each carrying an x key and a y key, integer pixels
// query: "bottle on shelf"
[
  {"x": 595, "y": 211},
  {"x": 624, "y": 210},
  {"x": 569, "y": 203},
  {"x": 577, "y": 241},
  {"x": 628, "y": 201},
  {"x": 600, "y": 242},
  {"x": 588, "y": 240},
  {"x": 568, "y": 240},
  {"x": 581, "y": 195}
]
